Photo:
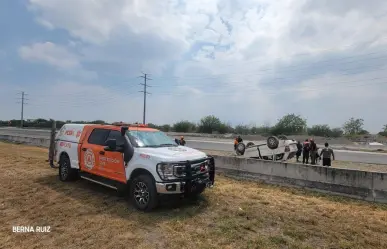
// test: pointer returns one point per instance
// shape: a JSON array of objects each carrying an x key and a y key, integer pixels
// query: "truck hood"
[{"x": 180, "y": 153}]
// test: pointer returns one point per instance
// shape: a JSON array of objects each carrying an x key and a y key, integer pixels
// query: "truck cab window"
[
  {"x": 98, "y": 137},
  {"x": 118, "y": 137}
]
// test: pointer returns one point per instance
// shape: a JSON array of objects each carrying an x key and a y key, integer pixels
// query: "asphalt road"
[{"x": 213, "y": 144}]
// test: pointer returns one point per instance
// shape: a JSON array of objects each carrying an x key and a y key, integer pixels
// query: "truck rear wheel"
[
  {"x": 66, "y": 173},
  {"x": 143, "y": 193}
]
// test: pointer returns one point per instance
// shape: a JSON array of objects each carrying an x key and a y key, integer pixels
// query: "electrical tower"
[
  {"x": 23, "y": 99},
  {"x": 145, "y": 93}
]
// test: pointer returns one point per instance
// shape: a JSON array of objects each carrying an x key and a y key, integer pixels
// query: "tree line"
[{"x": 290, "y": 124}]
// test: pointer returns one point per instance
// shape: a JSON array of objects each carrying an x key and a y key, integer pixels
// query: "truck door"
[
  {"x": 112, "y": 162},
  {"x": 91, "y": 151}
]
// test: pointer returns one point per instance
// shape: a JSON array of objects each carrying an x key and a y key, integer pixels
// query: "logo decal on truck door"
[{"x": 89, "y": 159}]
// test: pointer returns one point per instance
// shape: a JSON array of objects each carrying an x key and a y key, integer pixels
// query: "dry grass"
[
  {"x": 232, "y": 215},
  {"x": 335, "y": 164}
]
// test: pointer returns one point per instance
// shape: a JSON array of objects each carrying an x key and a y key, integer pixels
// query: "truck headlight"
[
  {"x": 170, "y": 171},
  {"x": 165, "y": 171}
]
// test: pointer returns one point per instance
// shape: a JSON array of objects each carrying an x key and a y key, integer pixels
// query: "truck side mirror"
[
  {"x": 123, "y": 130},
  {"x": 111, "y": 145}
]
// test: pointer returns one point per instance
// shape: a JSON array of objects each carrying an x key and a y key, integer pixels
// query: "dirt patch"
[{"x": 234, "y": 214}]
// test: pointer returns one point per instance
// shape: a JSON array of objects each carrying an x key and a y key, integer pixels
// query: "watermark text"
[{"x": 31, "y": 229}]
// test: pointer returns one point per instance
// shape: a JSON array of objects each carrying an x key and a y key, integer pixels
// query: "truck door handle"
[
  {"x": 84, "y": 149},
  {"x": 102, "y": 152}
]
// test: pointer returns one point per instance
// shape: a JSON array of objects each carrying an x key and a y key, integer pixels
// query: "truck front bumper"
[
  {"x": 183, "y": 187},
  {"x": 190, "y": 184}
]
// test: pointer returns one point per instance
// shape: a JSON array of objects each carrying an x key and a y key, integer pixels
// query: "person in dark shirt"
[
  {"x": 326, "y": 154},
  {"x": 313, "y": 152},
  {"x": 299, "y": 151},
  {"x": 305, "y": 152}
]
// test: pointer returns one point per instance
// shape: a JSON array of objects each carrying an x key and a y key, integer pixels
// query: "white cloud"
[
  {"x": 51, "y": 54},
  {"x": 265, "y": 54}
]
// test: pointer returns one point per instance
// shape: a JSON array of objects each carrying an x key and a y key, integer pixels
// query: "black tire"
[
  {"x": 146, "y": 200},
  {"x": 240, "y": 149},
  {"x": 66, "y": 173},
  {"x": 123, "y": 191},
  {"x": 272, "y": 142},
  {"x": 282, "y": 137},
  {"x": 279, "y": 157},
  {"x": 249, "y": 144},
  {"x": 195, "y": 195}
]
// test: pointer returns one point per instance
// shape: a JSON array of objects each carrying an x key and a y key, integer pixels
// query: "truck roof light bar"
[{"x": 129, "y": 124}]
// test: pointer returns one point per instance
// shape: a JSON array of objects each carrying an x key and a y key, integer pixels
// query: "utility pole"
[
  {"x": 145, "y": 93},
  {"x": 23, "y": 99}
]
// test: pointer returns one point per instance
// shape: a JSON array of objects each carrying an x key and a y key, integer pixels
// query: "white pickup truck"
[
  {"x": 133, "y": 159},
  {"x": 275, "y": 148}
]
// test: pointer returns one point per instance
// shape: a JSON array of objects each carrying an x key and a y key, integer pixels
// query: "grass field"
[{"x": 234, "y": 214}]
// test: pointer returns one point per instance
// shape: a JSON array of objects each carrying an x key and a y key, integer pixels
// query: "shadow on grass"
[{"x": 103, "y": 199}]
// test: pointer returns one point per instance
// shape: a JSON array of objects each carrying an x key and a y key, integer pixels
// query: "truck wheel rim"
[
  {"x": 272, "y": 142},
  {"x": 64, "y": 170},
  {"x": 141, "y": 193}
]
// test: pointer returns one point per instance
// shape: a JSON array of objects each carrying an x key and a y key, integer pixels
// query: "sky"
[{"x": 245, "y": 61}]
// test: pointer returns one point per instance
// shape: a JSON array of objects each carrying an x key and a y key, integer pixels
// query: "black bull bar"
[
  {"x": 195, "y": 179},
  {"x": 192, "y": 182}
]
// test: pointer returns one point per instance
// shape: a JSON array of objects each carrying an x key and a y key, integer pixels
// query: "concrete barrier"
[
  {"x": 31, "y": 140},
  {"x": 365, "y": 185}
]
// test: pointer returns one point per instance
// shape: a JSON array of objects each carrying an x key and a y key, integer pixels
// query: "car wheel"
[
  {"x": 66, "y": 173},
  {"x": 280, "y": 156},
  {"x": 272, "y": 142},
  {"x": 282, "y": 137},
  {"x": 249, "y": 144},
  {"x": 143, "y": 193},
  {"x": 240, "y": 149}
]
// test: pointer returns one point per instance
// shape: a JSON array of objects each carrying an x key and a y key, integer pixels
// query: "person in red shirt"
[{"x": 182, "y": 141}]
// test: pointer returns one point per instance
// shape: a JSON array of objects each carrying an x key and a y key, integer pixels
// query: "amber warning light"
[{"x": 129, "y": 124}]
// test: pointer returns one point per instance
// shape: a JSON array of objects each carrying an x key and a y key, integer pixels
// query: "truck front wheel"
[{"x": 143, "y": 193}]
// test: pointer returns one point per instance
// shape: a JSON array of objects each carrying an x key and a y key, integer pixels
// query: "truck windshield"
[{"x": 150, "y": 139}]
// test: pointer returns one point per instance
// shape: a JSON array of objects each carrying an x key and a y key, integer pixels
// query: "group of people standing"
[{"x": 309, "y": 149}]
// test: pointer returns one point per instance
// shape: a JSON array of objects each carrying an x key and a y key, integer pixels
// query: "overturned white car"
[{"x": 275, "y": 148}]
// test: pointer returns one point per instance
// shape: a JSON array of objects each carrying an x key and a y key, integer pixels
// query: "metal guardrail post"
[{"x": 51, "y": 150}]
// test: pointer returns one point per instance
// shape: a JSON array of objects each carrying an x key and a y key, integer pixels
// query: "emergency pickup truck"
[{"x": 138, "y": 161}]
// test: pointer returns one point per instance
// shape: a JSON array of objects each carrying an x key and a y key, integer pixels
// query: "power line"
[
  {"x": 283, "y": 68},
  {"x": 232, "y": 64},
  {"x": 347, "y": 72},
  {"x": 145, "y": 93},
  {"x": 265, "y": 71},
  {"x": 212, "y": 94}
]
